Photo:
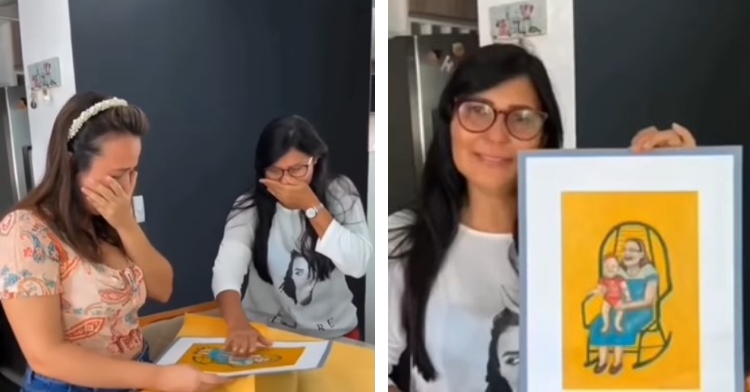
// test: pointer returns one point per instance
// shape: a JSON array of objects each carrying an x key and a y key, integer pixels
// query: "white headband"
[{"x": 93, "y": 111}]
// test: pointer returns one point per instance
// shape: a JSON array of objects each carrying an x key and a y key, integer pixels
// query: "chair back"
[{"x": 656, "y": 250}]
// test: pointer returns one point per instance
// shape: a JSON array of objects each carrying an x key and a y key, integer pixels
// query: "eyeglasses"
[
  {"x": 477, "y": 116},
  {"x": 298, "y": 171}
]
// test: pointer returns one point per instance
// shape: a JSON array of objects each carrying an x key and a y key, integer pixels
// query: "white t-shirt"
[
  {"x": 298, "y": 300},
  {"x": 476, "y": 288}
]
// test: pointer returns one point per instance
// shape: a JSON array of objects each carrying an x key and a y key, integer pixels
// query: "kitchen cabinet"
[{"x": 463, "y": 10}]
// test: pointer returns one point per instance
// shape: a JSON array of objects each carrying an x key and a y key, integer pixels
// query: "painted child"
[{"x": 614, "y": 289}]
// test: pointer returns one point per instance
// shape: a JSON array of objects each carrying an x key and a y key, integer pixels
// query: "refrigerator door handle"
[{"x": 27, "y": 168}]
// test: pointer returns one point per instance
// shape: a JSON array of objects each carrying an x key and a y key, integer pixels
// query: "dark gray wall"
[
  {"x": 210, "y": 74},
  {"x": 643, "y": 62},
  {"x": 6, "y": 183}
]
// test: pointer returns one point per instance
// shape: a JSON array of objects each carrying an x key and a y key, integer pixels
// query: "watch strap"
[{"x": 314, "y": 211}]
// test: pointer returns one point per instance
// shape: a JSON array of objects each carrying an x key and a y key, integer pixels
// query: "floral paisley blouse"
[{"x": 99, "y": 304}]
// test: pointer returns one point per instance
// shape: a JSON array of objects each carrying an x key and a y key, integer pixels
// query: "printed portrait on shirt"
[
  {"x": 504, "y": 359},
  {"x": 302, "y": 276}
]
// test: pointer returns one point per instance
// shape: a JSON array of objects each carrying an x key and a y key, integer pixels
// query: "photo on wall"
[{"x": 517, "y": 20}]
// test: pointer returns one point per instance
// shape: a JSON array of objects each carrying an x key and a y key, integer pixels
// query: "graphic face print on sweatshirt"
[
  {"x": 300, "y": 280},
  {"x": 505, "y": 339},
  {"x": 306, "y": 287},
  {"x": 504, "y": 358}
]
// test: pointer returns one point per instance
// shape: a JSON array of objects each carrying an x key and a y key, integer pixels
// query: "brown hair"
[{"x": 57, "y": 199}]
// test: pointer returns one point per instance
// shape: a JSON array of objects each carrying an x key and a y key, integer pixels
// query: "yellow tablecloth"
[{"x": 350, "y": 368}]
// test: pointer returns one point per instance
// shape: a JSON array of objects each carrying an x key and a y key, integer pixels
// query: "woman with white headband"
[{"x": 75, "y": 266}]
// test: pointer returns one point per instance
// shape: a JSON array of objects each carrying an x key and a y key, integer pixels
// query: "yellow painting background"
[
  {"x": 587, "y": 218},
  {"x": 282, "y": 356}
]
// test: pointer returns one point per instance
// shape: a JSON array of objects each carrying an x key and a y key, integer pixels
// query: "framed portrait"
[{"x": 631, "y": 269}]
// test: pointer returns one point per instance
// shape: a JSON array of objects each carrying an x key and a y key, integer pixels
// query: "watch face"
[{"x": 310, "y": 212}]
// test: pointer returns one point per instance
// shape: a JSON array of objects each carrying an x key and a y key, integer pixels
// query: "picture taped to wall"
[
  {"x": 517, "y": 20},
  {"x": 44, "y": 74},
  {"x": 210, "y": 356},
  {"x": 636, "y": 285}
]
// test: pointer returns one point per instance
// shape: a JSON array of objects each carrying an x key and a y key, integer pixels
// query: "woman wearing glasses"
[
  {"x": 452, "y": 255},
  {"x": 296, "y": 235}
]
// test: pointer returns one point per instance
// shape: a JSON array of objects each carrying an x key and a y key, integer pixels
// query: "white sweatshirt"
[
  {"x": 318, "y": 308},
  {"x": 476, "y": 283}
]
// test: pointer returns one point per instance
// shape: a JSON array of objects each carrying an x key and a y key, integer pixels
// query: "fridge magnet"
[
  {"x": 432, "y": 58},
  {"x": 458, "y": 50},
  {"x": 447, "y": 64},
  {"x": 209, "y": 355},
  {"x": 643, "y": 262},
  {"x": 519, "y": 19}
]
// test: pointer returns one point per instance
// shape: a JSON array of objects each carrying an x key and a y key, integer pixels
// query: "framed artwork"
[{"x": 631, "y": 270}]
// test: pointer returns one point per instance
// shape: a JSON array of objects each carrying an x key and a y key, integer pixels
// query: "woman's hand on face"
[
  {"x": 112, "y": 201},
  {"x": 182, "y": 378},
  {"x": 245, "y": 340},
  {"x": 296, "y": 195},
  {"x": 651, "y": 138}
]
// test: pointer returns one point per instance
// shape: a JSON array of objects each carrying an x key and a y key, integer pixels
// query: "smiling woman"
[{"x": 453, "y": 261}]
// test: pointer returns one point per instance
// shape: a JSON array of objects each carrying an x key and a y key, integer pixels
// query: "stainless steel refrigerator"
[
  {"x": 15, "y": 147},
  {"x": 15, "y": 180},
  {"x": 418, "y": 69}
]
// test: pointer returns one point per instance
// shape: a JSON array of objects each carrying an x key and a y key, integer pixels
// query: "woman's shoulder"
[
  {"x": 242, "y": 210},
  {"x": 401, "y": 219},
  {"x": 24, "y": 231},
  {"x": 21, "y": 221},
  {"x": 245, "y": 201},
  {"x": 649, "y": 270},
  {"x": 342, "y": 185},
  {"x": 398, "y": 228},
  {"x": 398, "y": 245}
]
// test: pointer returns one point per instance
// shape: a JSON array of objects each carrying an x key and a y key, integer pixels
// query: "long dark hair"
[
  {"x": 443, "y": 189},
  {"x": 279, "y": 137},
  {"x": 57, "y": 199}
]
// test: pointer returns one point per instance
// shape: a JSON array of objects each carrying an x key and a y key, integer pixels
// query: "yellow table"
[{"x": 349, "y": 368}]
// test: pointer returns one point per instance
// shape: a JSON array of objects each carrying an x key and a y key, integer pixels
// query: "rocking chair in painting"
[{"x": 657, "y": 252}]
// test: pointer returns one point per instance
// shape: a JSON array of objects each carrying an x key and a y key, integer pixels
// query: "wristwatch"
[{"x": 311, "y": 213}]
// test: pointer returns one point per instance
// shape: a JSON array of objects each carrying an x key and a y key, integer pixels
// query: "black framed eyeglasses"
[
  {"x": 298, "y": 171},
  {"x": 477, "y": 115}
]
